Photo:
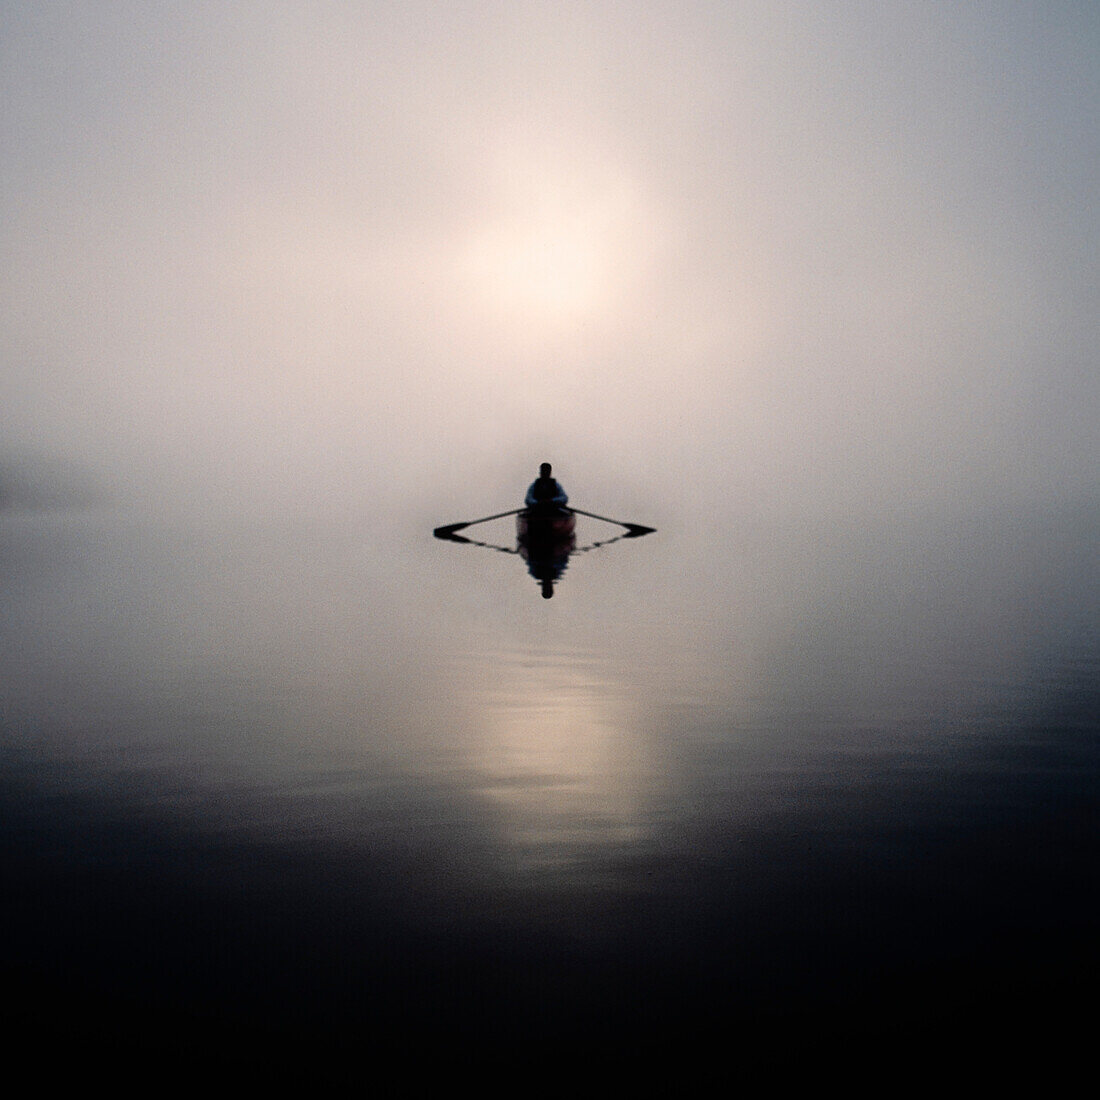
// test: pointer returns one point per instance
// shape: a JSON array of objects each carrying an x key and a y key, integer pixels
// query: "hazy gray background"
[
  {"x": 810, "y": 288},
  {"x": 712, "y": 259}
]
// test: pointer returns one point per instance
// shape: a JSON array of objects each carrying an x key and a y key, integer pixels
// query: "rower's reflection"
[{"x": 545, "y": 542}]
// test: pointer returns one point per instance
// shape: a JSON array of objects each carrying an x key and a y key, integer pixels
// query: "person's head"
[
  {"x": 544, "y": 470},
  {"x": 547, "y": 590}
]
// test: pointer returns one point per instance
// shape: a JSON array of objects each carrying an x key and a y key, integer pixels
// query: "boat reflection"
[{"x": 545, "y": 542}]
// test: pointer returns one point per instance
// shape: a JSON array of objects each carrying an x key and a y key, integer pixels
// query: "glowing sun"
[
  {"x": 549, "y": 267},
  {"x": 550, "y": 248}
]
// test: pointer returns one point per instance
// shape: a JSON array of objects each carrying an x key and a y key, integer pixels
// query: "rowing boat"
[
  {"x": 551, "y": 528},
  {"x": 545, "y": 538}
]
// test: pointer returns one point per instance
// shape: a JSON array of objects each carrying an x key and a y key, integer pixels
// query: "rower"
[{"x": 545, "y": 495}]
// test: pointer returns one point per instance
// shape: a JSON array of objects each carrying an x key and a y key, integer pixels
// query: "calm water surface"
[{"x": 321, "y": 777}]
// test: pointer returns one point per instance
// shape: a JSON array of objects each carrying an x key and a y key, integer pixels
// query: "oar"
[
  {"x": 633, "y": 530},
  {"x": 448, "y": 529}
]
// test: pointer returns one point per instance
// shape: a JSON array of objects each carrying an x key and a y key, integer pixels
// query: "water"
[{"x": 316, "y": 779}]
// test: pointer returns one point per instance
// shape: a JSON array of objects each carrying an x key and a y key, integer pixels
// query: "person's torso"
[{"x": 545, "y": 488}]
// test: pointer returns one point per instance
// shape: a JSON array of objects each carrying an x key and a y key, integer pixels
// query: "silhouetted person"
[{"x": 545, "y": 494}]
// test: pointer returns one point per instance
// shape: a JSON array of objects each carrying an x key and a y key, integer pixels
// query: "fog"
[
  {"x": 809, "y": 288},
  {"x": 716, "y": 261}
]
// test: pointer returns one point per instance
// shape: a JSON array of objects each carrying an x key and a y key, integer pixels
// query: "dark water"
[{"x": 333, "y": 788}]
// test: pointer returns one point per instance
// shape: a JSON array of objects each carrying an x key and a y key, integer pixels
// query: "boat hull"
[{"x": 532, "y": 528}]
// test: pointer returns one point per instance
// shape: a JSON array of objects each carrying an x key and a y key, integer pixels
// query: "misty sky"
[{"x": 715, "y": 255}]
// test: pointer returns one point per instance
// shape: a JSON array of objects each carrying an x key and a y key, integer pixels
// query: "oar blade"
[{"x": 447, "y": 531}]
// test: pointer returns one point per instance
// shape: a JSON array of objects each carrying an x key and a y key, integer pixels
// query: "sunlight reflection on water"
[{"x": 555, "y": 744}]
